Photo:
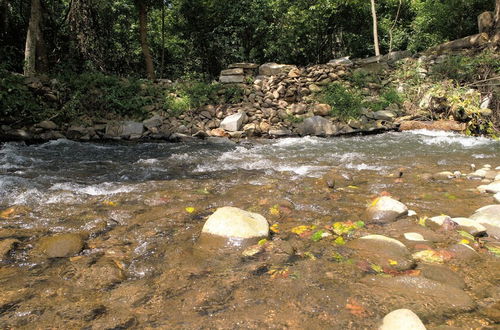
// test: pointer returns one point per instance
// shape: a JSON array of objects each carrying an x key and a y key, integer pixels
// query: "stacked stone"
[{"x": 238, "y": 73}]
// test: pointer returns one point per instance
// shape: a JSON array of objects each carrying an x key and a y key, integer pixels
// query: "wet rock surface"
[
  {"x": 141, "y": 209},
  {"x": 60, "y": 245}
]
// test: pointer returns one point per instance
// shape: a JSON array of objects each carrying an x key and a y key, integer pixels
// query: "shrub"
[
  {"x": 388, "y": 97},
  {"x": 345, "y": 103},
  {"x": 99, "y": 95},
  {"x": 16, "y": 99}
]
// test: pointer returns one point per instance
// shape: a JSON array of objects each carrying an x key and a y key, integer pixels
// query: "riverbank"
[{"x": 449, "y": 92}]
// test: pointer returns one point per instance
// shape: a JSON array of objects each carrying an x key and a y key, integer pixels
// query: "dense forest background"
[{"x": 186, "y": 37}]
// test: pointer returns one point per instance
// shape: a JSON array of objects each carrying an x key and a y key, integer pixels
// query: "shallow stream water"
[{"x": 141, "y": 207}]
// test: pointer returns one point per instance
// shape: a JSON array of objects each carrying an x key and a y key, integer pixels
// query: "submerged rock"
[
  {"x": 489, "y": 217},
  {"x": 385, "y": 209},
  {"x": 61, "y": 245},
  {"x": 402, "y": 319},
  {"x": 441, "y": 274},
  {"x": 424, "y": 296},
  {"x": 232, "y": 222},
  {"x": 383, "y": 251}
]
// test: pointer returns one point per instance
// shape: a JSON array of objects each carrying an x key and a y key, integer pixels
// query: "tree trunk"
[
  {"x": 4, "y": 17},
  {"x": 42, "y": 61},
  {"x": 375, "y": 29},
  {"x": 476, "y": 40},
  {"x": 162, "y": 39},
  {"x": 143, "y": 36},
  {"x": 496, "y": 14},
  {"x": 31, "y": 39}
]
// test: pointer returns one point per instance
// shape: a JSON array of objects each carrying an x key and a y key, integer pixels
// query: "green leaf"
[{"x": 317, "y": 236}]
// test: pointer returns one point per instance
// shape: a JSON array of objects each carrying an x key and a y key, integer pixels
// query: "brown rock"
[
  {"x": 61, "y": 245},
  {"x": 321, "y": 109},
  {"x": 442, "y": 125}
]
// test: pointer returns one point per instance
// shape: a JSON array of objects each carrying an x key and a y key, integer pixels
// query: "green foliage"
[
  {"x": 360, "y": 78},
  {"x": 345, "y": 103},
  {"x": 191, "y": 94},
  {"x": 16, "y": 100},
  {"x": 294, "y": 119},
  {"x": 437, "y": 21},
  {"x": 388, "y": 97},
  {"x": 462, "y": 68},
  {"x": 103, "y": 96}
]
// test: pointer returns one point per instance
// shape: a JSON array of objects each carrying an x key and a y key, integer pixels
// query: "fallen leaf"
[
  {"x": 190, "y": 209},
  {"x": 355, "y": 308},
  {"x": 275, "y": 228},
  {"x": 339, "y": 241},
  {"x": 275, "y": 210},
  {"x": 299, "y": 230}
]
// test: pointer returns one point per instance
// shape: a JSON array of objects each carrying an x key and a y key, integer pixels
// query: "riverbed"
[{"x": 140, "y": 208}]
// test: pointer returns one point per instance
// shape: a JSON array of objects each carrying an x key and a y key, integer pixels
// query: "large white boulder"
[
  {"x": 402, "y": 319},
  {"x": 472, "y": 227},
  {"x": 385, "y": 209},
  {"x": 232, "y": 222},
  {"x": 489, "y": 217},
  {"x": 492, "y": 188},
  {"x": 234, "y": 122}
]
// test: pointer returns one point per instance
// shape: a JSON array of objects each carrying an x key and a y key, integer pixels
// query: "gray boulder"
[
  {"x": 341, "y": 61},
  {"x": 384, "y": 115},
  {"x": 124, "y": 129},
  {"x": 272, "y": 69},
  {"x": 232, "y": 79},
  {"x": 47, "y": 124},
  {"x": 317, "y": 126},
  {"x": 153, "y": 122},
  {"x": 234, "y": 122}
]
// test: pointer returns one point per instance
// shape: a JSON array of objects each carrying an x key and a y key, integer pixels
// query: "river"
[{"x": 140, "y": 208}]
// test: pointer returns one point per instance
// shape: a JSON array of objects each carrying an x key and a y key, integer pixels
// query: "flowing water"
[{"x": 140, "y": 209}]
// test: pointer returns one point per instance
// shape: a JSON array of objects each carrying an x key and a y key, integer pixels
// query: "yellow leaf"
[
  {"x": 262, "y": 241},
  {"x": 310, "y": 255},
  {"x": 339, "y": 240},
  {"x": 393, "y": 262},
  {"x": 375, "y": 201},
  {"x": 109, "y": 203},
  {"x": 190, "y": 209},
  {"x": 464, "y": 241},
  {"x": 422, "y": 220},
  {"x": 275, "y": 228},
  {"x": 353, "y": 187},
  {"x": 302, "y": 229},
  {"x": 275, "y": 210}
]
